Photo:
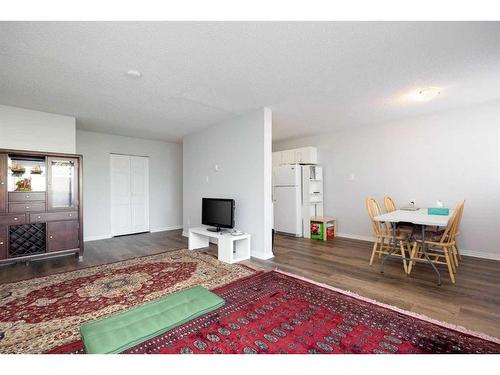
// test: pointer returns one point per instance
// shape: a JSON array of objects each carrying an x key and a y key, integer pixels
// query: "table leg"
[
  {"x": 427, "y": 256},
  {"x": 391, "y": 250}
]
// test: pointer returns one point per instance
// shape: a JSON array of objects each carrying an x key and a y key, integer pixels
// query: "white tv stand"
[{"x": 231, "y": 249}]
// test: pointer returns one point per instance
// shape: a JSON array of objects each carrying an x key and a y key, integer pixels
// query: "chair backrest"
[
  {"x": 454, "y": 223},
  {"x": 374, "y": 210},
  {"x": 389, "y": 204}
]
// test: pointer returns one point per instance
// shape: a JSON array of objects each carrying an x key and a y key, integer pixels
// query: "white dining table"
[{"x": 418, "y": 217}]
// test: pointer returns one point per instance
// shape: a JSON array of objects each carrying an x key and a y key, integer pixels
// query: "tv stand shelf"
[{"x": 231, "y": 249}]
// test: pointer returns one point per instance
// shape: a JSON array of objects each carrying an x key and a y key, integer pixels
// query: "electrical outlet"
[{"x": 413, "y": 202}]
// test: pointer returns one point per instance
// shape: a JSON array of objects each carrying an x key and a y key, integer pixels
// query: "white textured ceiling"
[{"x": 316, "y": 76}]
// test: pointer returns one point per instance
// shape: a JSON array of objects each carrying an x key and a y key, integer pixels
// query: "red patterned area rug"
[
  {"x": 277, "y": 313},
  {"x": 39, "y": 314}
]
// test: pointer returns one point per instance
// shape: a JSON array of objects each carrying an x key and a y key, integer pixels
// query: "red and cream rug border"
[{"x": 425, "y": 318}]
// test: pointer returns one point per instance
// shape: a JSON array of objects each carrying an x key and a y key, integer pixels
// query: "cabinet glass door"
[{"x": 63, "y": 183}]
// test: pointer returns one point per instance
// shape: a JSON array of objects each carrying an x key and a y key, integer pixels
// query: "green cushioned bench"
[{"x": 123, "y": 331}]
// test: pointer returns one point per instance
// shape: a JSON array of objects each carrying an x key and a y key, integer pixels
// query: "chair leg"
[
  {"x": 448, "y": 262},
  {"x": 382, "y": 244},
  {"x": 403, "y": 254},
  {"x": 375, "y": 244},
  {"x": 452, "y": 261},
  {"x": 413, "y": 255},
  {"x": 408, "y": 247},
  {"x": 454, "y": 250}
]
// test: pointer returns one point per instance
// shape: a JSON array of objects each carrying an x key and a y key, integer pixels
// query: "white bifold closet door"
[{"x": 129, "y": 194}]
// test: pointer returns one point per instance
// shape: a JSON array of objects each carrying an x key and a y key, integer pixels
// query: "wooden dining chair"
[
  {"x": 441, "y": 245},
  {"x": 456, "y": 251},
  {"x": 382, "y": 233},
  {"x": 389, "y": 204}
]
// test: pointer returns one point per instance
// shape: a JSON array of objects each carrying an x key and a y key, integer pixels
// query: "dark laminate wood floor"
[{"x": 474, "y": 302}]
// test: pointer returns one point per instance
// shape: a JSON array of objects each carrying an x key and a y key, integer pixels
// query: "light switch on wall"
[
  {"x": 216, "y": 167},
  {"x": 352, "y": 177},
  {"x": 206, "y": 178}
]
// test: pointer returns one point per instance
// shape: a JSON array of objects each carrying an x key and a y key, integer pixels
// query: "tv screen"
[{"x": 218, "y": 213}]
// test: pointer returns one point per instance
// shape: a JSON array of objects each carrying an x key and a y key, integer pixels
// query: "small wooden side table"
[{"x": 325, "y": 220}]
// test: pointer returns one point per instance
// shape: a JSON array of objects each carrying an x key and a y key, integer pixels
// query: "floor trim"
[
  {"x": 154, "y": 230},
  {"x": 470, "y": 253},
  {"x": 97, "y": 238},
  {"x": 163, "y": 229},
  {"x": 356, "y": 237},
  {"x": 480, "y": 254}
]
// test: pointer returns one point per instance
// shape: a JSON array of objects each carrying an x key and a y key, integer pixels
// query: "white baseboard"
[
  {"x": 106, "y": 236},
  {"x": 355, "y": 237},
  {"x": 470, "y": 253},
  {"x": 163, "y": 229},
  {"x": 480, "y": 254},
  {"x": 96, "y": 238},
  {"x": 260, "y": 255}
]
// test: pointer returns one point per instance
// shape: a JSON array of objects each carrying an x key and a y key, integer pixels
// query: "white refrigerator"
[{"x": 287, "y": 199}]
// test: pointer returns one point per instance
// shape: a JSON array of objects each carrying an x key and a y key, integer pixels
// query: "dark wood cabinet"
[
  {"x": 3, "y": 241},
  {"x": 40, "y": 205},
  {"x": 3, "y": 183},
  {"x": 62, "y": 235}
]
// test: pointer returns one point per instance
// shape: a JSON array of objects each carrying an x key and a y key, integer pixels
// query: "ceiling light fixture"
[
  {"x": 132, "y": 73},
  {"x": 425, "y": 94}
]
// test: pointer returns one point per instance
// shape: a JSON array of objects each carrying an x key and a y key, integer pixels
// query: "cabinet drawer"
[
  {"x": 12, "y": 219},
  {"x": 26, "y": 207},
  {"x": 53, "y": 216},
  {"x": 26, "y": 196},
  {"x": 62, "y": 235}
]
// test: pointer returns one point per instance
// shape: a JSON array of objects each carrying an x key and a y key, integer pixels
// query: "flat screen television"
[{"x": 218, "y": 213}]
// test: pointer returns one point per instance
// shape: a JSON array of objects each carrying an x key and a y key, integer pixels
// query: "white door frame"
[{"x": 146, "y": 198}]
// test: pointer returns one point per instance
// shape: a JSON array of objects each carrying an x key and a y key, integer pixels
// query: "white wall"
[
  {"x": 447, "y": 156},
  {"x": 165, "y": 184},
  {"x": 24, "y": 129},
  {"x": 242, "y": 150}
]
